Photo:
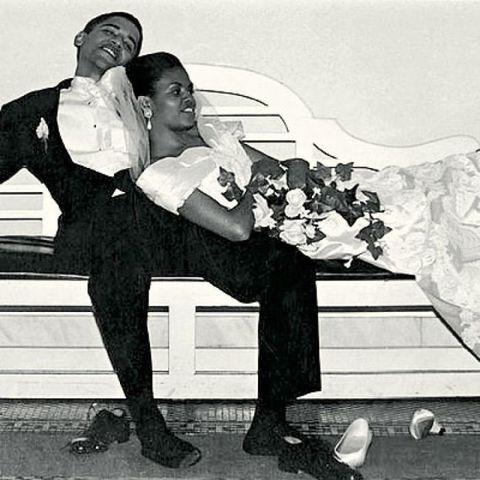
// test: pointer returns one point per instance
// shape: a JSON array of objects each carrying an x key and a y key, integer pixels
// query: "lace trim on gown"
[{"x": 434, "y": 212}]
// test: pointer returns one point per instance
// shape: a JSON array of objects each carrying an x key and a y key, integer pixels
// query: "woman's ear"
[{"x": 145, "y": 102}]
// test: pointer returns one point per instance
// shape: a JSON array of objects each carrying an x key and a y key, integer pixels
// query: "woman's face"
[{"x": 173, "y": 104}]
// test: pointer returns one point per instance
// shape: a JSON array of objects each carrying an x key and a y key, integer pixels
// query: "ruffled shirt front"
[
  {"x": 91, "y": 128},
  {"x": 171, "y": 180}
]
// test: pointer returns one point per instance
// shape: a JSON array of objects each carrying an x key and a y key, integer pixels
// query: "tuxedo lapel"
[
  {"x": 56, "y": 149},
  {"x": 38, "y": 139}
]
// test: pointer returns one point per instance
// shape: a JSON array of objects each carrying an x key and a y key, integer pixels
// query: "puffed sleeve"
[
  {"x": 170, "y": 181},
  {"x": 10, "y": 163}
]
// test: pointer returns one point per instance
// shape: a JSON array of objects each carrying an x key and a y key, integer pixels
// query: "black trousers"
[{"x": 135, "y": 240}]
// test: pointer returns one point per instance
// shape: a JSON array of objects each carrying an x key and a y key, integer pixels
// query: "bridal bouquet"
[
  {"x": 319, "y": 210},
  {"x": 317, "y": 205}
]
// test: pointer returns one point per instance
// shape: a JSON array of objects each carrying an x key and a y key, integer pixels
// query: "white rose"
[
  {"x": 292, "y": 211},
  {"x": 334, "y": 225},
  {"x": 296, "y": 197},
  {"x": 292, "y": 232},
  {"x": 310, "y": 231},
  {"x": 262, "y": 213}
]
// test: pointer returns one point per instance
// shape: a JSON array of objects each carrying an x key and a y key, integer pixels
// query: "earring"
[{"x": 148, "y": 114}]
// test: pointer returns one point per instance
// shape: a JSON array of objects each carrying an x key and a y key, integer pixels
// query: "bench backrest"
[{"x": 274, "y": 120}]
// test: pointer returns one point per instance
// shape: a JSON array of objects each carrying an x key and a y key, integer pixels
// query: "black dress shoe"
[
  {"x": 106, "y": 428},
  {"x": 310, "y": 456},
  {"x": 268, "y": 435},
  {"x": 170, "y": 451}
]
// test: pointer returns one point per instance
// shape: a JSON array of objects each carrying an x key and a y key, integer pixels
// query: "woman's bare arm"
[{"x": 235, "y": 224}]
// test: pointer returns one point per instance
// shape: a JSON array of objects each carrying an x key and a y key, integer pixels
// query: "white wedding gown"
[{"x": 433, "y": 210}]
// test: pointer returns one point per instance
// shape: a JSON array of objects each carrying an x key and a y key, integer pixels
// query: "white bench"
[{"x": 379, "y": 335}]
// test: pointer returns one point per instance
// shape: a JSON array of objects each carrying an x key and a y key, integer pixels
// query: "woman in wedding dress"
[
  {"x": 433, "y": 209},
  {"x": 180, "y": 175}
]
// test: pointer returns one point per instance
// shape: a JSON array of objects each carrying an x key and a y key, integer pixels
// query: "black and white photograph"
[{"x": 240, "y": 240}]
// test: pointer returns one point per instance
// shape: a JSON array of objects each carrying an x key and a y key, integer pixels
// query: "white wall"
[{"x": 395, "y": 72}]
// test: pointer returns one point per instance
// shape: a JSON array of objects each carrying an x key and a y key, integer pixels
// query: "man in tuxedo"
[
  {"x": 73, "y": 141},
  {"x": 65, "y": 135},
  {"x": 70, "y": 139}
]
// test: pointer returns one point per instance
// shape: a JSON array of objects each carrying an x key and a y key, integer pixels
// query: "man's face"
[{"x": 109, "y": 44}]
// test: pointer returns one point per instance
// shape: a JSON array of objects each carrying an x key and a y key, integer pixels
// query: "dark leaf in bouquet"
[
  {"x": 325, "y": 207},
  {"x": 321, "y": 172},
  {"x": 373, "y": 203},
  {"x": 308, "y": 190},
  {"x": 296, "y": 162},
  {"x": 276, "y": 198},
  {"x": 373, "y": 232},
  {"x": 313, "y": 182},
  {"x": 225, "y": 177},
  {"x": 316, "y": 206},
  {"x": 380, "y": 229},
  {"x": 319, "y": 235},
  {"x": 268, "y": 167},
  {"x": 233, "y": 192},
  {"x": 352, "y": 214},
  {"x": 278, "y": 212},
  {"x": 258, "y": 184},
  {"x": 351, "y": 194},
  {"x": 273, "y": 233},
  {"x": 334, "y": 198},
  {"x": 366, "y": 233},
  {"x": 375, "y": 250},
  {"x": 297, "y": 172},
  {"x": 344, "y": 171}
]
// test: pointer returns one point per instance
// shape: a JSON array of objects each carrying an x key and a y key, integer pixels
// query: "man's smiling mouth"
[{"x": 110, "y": 51}]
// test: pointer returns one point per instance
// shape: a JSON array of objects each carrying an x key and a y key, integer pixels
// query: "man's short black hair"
[{"x": 91, "y": 24}]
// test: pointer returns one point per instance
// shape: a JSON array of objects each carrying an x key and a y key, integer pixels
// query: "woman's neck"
[{"x": 169, "y": 143}]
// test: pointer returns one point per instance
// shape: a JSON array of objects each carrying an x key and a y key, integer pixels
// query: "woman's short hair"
[
  {"x": 144, "y": 71},
  {"x": 91, "y": 24}
]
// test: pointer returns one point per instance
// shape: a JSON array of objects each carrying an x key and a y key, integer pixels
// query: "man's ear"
[{"x": 79, "y": 38}]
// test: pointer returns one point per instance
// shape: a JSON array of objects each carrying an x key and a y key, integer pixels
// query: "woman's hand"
[
  {"x": 263, "y": 164},
  {"x": 268, "y": 167},
  {"x": 297, "y": 171}
]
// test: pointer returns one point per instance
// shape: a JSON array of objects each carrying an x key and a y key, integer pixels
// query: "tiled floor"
[
  {"x": 387, "y": 418},
  {"x": 34, "y": 435}
]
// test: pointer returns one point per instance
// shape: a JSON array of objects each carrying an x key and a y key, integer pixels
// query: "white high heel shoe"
[
  {"x": 424, "y": 423},
  {"x": 352, "y": 448}
]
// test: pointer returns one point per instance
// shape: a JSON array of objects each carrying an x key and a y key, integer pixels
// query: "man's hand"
[{"x": 297, "y": 171}]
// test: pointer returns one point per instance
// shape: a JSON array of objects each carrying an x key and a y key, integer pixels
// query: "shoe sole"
[
  {"x": 187, "y": 461},
  {"x": 261, "y": 452}
]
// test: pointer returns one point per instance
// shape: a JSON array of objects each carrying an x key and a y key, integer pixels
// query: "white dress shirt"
[{"x": 91, "y": 129}]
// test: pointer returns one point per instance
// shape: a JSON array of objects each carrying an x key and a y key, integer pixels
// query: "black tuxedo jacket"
[{"x": 82, "y": 194}]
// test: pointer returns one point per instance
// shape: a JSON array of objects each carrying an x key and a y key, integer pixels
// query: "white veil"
[
  {"x": 123, "y": 100},
  {"x": 213, "y": 131}
]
